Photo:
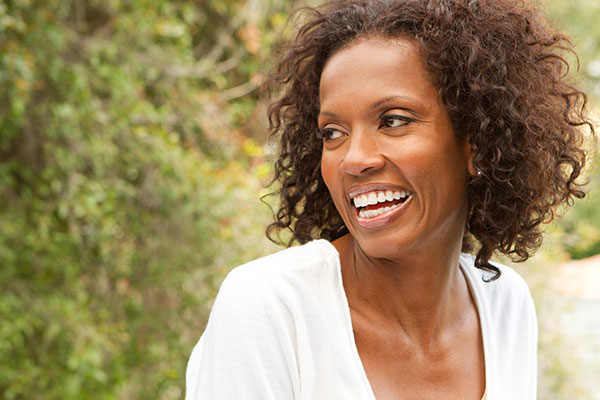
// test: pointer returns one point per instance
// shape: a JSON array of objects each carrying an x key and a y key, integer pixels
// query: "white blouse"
[{"x": 280, "y": 329}]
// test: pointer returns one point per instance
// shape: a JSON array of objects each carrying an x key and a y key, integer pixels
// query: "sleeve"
[
  {"x": 247, "y": 350},
  {"x": 523, "y": 323},
  {"x": 533, "y": 348}
]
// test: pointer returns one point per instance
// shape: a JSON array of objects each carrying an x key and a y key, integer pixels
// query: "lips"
[{"x": 375, "y": 205}]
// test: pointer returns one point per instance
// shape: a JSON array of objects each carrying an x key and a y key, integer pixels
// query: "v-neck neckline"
[{"x": 475, "y": 291}]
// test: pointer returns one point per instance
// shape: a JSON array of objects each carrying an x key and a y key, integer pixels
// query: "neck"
[{"x": 422, "y": 294}]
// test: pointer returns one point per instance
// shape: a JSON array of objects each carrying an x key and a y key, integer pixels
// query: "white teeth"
[
  {"x": 372, "y": 198},
  {"x": 364, "y": 200},
  {"x": 375, "y": 197},
  {"x": 375, "y": 213},
  {"x": 361, "y": 201}
]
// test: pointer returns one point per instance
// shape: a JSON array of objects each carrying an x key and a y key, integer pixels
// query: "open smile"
[{"x": 378, "y": 207}]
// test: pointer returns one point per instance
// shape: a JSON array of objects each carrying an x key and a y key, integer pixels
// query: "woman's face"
[{"x": 391, "y": 161}]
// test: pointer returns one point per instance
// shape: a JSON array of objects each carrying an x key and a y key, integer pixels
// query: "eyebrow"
[
  {"x": 377, "y": 103},
  {"x": 395, "y": 97},
  {"x": 328, "y": 113}
]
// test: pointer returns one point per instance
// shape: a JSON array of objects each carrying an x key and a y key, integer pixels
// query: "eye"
[
  {"x": 331, "y": 134},
  {"x": 394, "y": 121}
]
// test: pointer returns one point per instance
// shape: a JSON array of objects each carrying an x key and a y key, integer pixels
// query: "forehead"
[{"x": 378, "y": 66}]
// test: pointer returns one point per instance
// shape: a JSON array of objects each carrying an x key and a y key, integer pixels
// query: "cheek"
[
  {"x": 327, "y": 171},
  {"x": 451, "y": 174},
  {"x": 432, "y": 166},
  {"x": 332, "y": 178},
  {"x": 326, "y": 174},
  {"x": 416, "y": 158}
]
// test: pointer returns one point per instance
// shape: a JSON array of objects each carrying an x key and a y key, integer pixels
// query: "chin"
[{"x": 386, "y": 246}]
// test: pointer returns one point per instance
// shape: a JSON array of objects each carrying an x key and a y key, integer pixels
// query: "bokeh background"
[{"x": 133, "y": 154}]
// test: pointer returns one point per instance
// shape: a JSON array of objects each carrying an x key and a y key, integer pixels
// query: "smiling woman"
[
  {"x": 412, "y": 133},
  {"x": 385, "y": 129}
]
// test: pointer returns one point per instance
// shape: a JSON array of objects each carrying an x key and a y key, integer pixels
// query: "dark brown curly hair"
[{"x": 502, "y": 73}]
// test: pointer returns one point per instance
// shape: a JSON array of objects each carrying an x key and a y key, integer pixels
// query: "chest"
[{"x": 397, "y": 369}]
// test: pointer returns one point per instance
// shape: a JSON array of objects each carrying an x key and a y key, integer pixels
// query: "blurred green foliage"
[
  {"x": 125, "y": 167},
  {"x": 579, "y": 231},
  {"x": 131, "y": 161}
]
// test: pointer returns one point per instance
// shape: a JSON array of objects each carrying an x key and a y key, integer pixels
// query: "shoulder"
[
  {"x": 506, "y": 296},
  {"x": 281, "y": 283},
  {"x": 508, "y": 281},
  {"x": 252, "y": 329},
  {"x": 509, "y": 327},
  {"x": 308, "y": 256},
  {"x": 292, "y": 266}
]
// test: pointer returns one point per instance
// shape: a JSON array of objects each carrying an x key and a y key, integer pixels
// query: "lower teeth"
[{"x": 375, "y": 213}]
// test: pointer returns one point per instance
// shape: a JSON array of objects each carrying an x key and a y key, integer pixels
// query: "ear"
[
  {"x": 471, "y": 164},
  {"x": 470, "y": 156}
]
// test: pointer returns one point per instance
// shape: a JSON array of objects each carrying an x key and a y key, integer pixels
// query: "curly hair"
[{"x": 502, "y": 74}]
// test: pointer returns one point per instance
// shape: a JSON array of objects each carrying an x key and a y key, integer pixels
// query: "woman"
[{"x": 411, "y": 133}]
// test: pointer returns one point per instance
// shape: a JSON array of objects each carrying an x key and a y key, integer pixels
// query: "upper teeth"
[{"x": 366, "y": 199}]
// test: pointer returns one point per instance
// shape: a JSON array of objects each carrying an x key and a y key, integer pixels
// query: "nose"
[{"x": 362, "y": 154}]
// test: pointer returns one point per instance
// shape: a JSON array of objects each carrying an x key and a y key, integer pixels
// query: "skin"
[{"x": 415, "y": 323}]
